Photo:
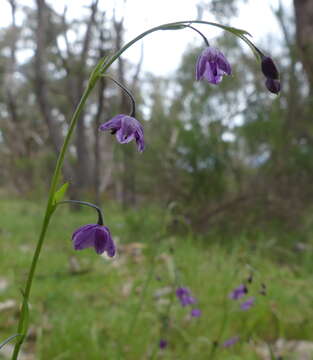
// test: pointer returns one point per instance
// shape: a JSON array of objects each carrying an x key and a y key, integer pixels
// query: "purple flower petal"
[
  {"x": 230, "y": 342},
  {"x": 212, "y": 66},
  {"x": 195, "y": 312},
  {"x": 273, "y": 85},
  {"x": 163, "y": 344},
  {"x": 184, "y": 296},
  {"x": 84, "y": 237},
  {"x": 126, "y": 128},
  {"x": 246, "y": 305},
  {"x": 94, "y": 235},
  {"x": 269, "y": 69},
  {"x": 238, "y": 292}
]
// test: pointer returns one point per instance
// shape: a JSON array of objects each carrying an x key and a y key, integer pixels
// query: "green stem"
[
  {"x": 22, "y": 327},
  {"x": 183, "y": 24}
]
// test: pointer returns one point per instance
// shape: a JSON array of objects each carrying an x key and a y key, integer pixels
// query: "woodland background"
[
  {"x": 239, "y": 157},
  {"x": 248, "y": 172},
  {"x": 225, "y": 181}
]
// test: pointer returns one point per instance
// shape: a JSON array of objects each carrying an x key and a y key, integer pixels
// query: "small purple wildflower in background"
[
  {"x": 212, "y": 66},
  {"x": 184, "y": 296},
  {"x": 246, "y": 305},
  {"x": 94, "y": 235},
  {"x": 271, "y": 73},
  {"x": 195, "y": 313},
  {"x": 126, "y": 128},
  {"x": 230, "y": 342},
  {"x": 238, "y": 292},
  {"x": 163, "y": 344}
]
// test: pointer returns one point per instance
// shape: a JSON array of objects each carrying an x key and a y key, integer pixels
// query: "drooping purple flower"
[
  {"x": 163, "y": 344},
  {"x": 246, "y": 305},
  {"x": 126, "y": 128},
  {"x": 184, "y": 296},
  {"x": 238, "y": 292},
  {"x": 269, "y": 69},
  {"x": 195, "y": 313},
  {"x": 271, "y": 73},
  {"x": 212, "y": 65},
  {"x": 230, "y": 342},
  {"x": 94, "y": 235}
]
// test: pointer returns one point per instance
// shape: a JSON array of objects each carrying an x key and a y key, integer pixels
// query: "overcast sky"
[{"x": 162, "y": 49}]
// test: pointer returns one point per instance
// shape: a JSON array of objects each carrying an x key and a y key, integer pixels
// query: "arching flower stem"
[
  {"x": 98, "y": 72},
  {"x": 129, "y": 94}
]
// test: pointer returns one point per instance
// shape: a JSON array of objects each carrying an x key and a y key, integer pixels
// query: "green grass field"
[{"x": 85, "y": 306}]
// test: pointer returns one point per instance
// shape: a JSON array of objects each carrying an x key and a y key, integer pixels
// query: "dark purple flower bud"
[
  {"x": 94, "y": 235},
  {"x": 184, "y": 296},
  {"x": 246, "y": 305},
  {"x": 162, "y": 344},
  {"x": 273, "y": 85},
  {"x": 238, "y": 292},
  {"x": 195, "y": 313},
  {"x": 126, "y": 128},
  {"x": 269, "y": 69},
  {"x": 212, "y": 66},
  {"x": 230, "y": 342}
]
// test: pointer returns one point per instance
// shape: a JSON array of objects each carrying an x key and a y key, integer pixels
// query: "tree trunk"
[
  {"x": 304, "y": 28},
  {"x": 40, "y": 81}
]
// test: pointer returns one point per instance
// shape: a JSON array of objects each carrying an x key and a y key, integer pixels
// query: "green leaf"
[
  {"x": 236, "y": 31},
  {"x": 174, "y": 27},
  {"x": 59, "y": 194},
  {"x": 97, "y": 69},
  {"x": 8, "y": 340},
  {"x": 24, "y": 315}
]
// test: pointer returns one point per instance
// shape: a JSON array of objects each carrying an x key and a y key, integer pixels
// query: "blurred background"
[
  {"x": 231, "y": 155},
  {"x": 232, "y": 164}
]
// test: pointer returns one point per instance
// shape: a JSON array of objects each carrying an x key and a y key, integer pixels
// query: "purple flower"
[
  {"x": 238, "y": 292},
  {"x": 195, "y": 313},
  {"x": 212, "y": 65},
  {"x": 269, "y": 69},
  {"x": 126, "y": 128},
  {"x": 230, "y": 342},
  {"x": 184, "y": 296},
  {"x": 94, "y": 235},
  {"x": 162, "y": 344},
  {"x": 246, "y": 305}
]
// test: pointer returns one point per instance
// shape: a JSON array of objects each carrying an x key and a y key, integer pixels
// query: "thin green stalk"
[
  {"x": 181, "y": 25},
  {"x": 22, "y": 327}
]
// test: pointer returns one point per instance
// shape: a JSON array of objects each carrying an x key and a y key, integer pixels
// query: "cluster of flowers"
[
  {"x": 238, "y": 293},
  {"x": 185, "y": 298},
  {"x": 211, "y": 65}
]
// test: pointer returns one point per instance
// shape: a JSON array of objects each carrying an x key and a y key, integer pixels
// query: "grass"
[{"x": 83, "y": 305}]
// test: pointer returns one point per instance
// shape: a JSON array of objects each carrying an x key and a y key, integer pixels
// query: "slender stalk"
[
  {"x": 200, "y": 33},
  {"x": 183, "y": 24},
  {"x": 78, "y": 202},
  {"x": 22, "y": 328},
  {"x": 129, "y": 94}
]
